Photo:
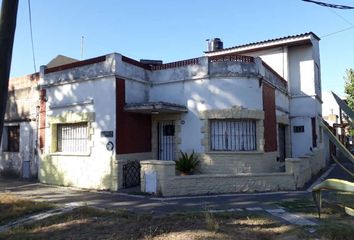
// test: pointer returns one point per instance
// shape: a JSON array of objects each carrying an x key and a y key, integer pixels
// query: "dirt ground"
[{"x": 89, "y": 223}]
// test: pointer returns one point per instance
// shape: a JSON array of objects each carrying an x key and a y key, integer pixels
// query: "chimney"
[{"x": 215, "y": 44}]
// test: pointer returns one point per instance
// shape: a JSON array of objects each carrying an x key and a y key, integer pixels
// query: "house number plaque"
[{"x": 106, "y": 133}]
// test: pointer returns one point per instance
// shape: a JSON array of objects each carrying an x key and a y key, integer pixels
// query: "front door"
[{"x": 166, "y": 140}]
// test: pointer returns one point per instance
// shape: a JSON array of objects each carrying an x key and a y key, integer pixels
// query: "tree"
[{"x": 349, "y": 87}]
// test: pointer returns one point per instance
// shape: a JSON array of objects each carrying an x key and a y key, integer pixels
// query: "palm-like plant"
[
  {"x": 187, "y": 164},
  {"x": 336, "y": 184}
]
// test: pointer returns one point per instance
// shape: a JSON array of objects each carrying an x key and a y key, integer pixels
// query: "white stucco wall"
[
  {"x": 282, "y": 101},
  {"x": 301, "y": 70},
  {"x": 301, "y": 142},
  {"x": 136, "y": 92},
  {"x": 276, "y": 58},
  {"x": 93, "y": 168},
  {"x": 13, "y": 161},
  {"x": 206, "y": 94}
]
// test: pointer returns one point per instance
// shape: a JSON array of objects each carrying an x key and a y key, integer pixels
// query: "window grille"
[
  {"x": 233, "y": 135},
  {"x": 72, "y": 137}
]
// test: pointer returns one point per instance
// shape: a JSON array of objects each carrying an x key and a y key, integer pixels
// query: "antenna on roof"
[{"x": 82, "y": 47}]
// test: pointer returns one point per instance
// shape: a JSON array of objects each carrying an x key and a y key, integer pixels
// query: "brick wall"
[
  {"x": 26, "y": 81},
  {"x": 133, "y": 131}
]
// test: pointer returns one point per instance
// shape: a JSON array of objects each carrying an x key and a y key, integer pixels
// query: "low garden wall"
[{"x": 159, "y": 177}]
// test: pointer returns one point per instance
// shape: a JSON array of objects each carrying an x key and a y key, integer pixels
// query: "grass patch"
[
  {"x": 88, "y": 223},
  {"x": 299, "y": 205},
  {"x": 334, "y": 223},
  {"x": 336, "y": 230},
  {"x": 12, "y": 207}
]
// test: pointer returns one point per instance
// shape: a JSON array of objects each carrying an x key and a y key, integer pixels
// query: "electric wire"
[
  {"x": 31, "y": 32},
  {"x": 341, "y": 30},
  {"x": 330, "y": 5}
]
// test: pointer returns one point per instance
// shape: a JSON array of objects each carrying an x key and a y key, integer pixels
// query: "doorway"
[{"x": 166, "y": 140}]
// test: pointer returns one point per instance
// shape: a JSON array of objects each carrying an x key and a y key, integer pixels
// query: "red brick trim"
[
  {"x": 133, "y": 131},
  {"x": 42, "y": 119},
  {"x": 135, "y": 63},
  {"x": 270, "y": 124}
]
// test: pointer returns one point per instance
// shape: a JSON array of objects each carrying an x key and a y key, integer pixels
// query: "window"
[
  {"x": 298, "y": 129},
  {"x": 72, "y": 138},
  {"x": 11, "y": 140},
  {"x": 169, "y": 130},
  {"x": 233, "y": 135}
]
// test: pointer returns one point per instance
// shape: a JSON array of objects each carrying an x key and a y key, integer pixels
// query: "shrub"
[{"x": 187, "y": 164}]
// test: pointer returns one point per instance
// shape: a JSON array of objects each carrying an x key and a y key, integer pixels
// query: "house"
[
  {"x": 20, "y": 139},
  {"x": 240, "y": 108}
]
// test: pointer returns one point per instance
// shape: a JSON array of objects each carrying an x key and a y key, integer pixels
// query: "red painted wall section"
[
  {"x": 42, "y": 117},
  {"x": 270, "y": 125},
  {"x": 133, "y": 131}
]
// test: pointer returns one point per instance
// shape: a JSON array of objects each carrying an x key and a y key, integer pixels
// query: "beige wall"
[
  {"x": 241, "y": 162},
  {"x": 168, "y": 184},
  {"x": 298, "y": 172},
  {"x": 79, "y": 171}
]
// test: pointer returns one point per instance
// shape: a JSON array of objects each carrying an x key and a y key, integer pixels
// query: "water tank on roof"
[{"x": 215, "y": 44}]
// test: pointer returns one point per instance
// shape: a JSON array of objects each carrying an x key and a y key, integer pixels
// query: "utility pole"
[{"x": 8, "y": 17}]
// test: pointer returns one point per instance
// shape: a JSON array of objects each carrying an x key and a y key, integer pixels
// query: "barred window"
[
  {"x": 11, "y": 139},
  {"x": 233, "y": 135},
  {"x": 72, "y": 137}
]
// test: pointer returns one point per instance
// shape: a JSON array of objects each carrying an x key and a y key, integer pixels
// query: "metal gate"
[
  {"x": 166, "y": 140},
  {"x": 131, "y": 174}
]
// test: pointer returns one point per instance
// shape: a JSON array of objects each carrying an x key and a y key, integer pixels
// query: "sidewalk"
[{"x": 145, "y": 204}]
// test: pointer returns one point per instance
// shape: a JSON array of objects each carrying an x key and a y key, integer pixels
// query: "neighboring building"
[
  {"x": 242, "y": 109},
  {"x": 18, "y": 153}
]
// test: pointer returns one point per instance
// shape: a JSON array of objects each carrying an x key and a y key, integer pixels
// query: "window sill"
[
  {"x": 235, "y": 153},
  {"x": 87, "y": 154}
]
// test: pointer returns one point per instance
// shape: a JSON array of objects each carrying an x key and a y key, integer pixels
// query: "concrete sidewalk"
[{"x": 145, "y": 204}]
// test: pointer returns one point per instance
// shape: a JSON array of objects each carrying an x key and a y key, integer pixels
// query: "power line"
[
  {"x": 30, "y": 23},
  {"x": 339, "y": 31},
  {"x": 330, "y": 5},
  {"x": 342, "y": 30},
  {"x": 343, "y": 18}
]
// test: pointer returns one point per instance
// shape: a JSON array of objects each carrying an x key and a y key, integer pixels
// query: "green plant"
[{"x": 186, "y": 163}]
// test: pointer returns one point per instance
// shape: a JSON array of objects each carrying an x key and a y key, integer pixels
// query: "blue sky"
[{"x": 175, "y": 30}]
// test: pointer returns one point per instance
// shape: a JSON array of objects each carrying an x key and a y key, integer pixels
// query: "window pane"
[
  {"x": 233, "y": 135},
  {"x": 72, "y": 137},
  {"x": 13, "y": 139}
]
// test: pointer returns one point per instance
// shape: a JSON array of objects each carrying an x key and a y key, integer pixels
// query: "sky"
[{"x": 175, "y": 30}]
